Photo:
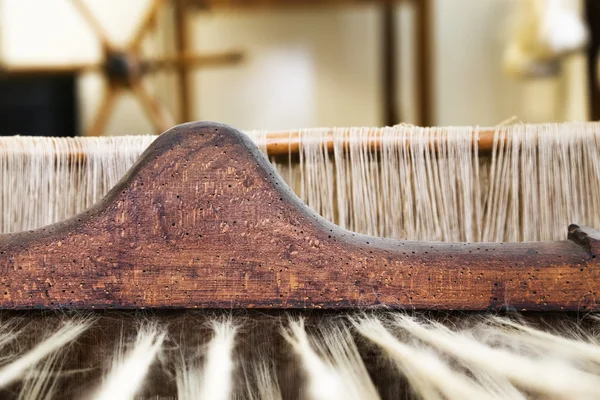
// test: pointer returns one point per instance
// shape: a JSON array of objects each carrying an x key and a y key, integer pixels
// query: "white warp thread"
[{"x": 537, "y": 180}]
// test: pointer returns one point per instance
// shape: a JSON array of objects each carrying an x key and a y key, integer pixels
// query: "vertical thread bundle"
[{"x": 401, "y": 182}]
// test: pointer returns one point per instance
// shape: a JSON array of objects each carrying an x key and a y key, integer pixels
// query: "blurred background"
[{"x": 116, "y": 67}]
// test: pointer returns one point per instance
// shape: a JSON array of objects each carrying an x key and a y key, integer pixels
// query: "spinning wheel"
[{"x": 124, "y": 68}]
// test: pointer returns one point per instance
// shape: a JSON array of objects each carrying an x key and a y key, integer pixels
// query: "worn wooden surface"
[{"x": 203, "y": 220}]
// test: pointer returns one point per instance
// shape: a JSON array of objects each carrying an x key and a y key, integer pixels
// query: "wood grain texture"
[{"x": 203, "y": 220}]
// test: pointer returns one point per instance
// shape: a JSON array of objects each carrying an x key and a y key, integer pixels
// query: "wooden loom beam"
[
  {"x": 203, "y": 220},
  {"x": 284, "y": 143},
  {"x": 289, "y": 143}
]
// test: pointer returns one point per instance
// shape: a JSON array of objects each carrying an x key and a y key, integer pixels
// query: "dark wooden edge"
[
  {"x": 202, "y": 220},
  {"x": 586, "y": 237}
]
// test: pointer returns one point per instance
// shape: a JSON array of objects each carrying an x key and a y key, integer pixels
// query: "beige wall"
[
  {"x": 471, "y": 87},
  {"x": 305, "y": 68}
]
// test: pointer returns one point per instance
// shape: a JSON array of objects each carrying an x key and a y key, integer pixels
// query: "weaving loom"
[{"x": 202, "y": 220}]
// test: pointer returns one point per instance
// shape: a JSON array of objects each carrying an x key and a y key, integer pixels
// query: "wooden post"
[
  {"x": 424, "y": 60},
  {"x": 389, "y": 56},
  {"x": 182, "y": 46}
]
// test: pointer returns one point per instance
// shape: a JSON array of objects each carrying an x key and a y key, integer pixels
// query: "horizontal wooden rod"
[
  {"x": 288, "y": 143},
  {"x": 284, "y": 143}
]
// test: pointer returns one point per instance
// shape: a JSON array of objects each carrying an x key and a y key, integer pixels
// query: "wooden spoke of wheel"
[
  {"x": 157, "y": 113},
  {"x": 87, "y": 14},
  {"x": 49, "y": 69},
  {"x": 100, "y": 120},
  {"x": 145, "y": 24},
  {"x": 187, "y": 60}
]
